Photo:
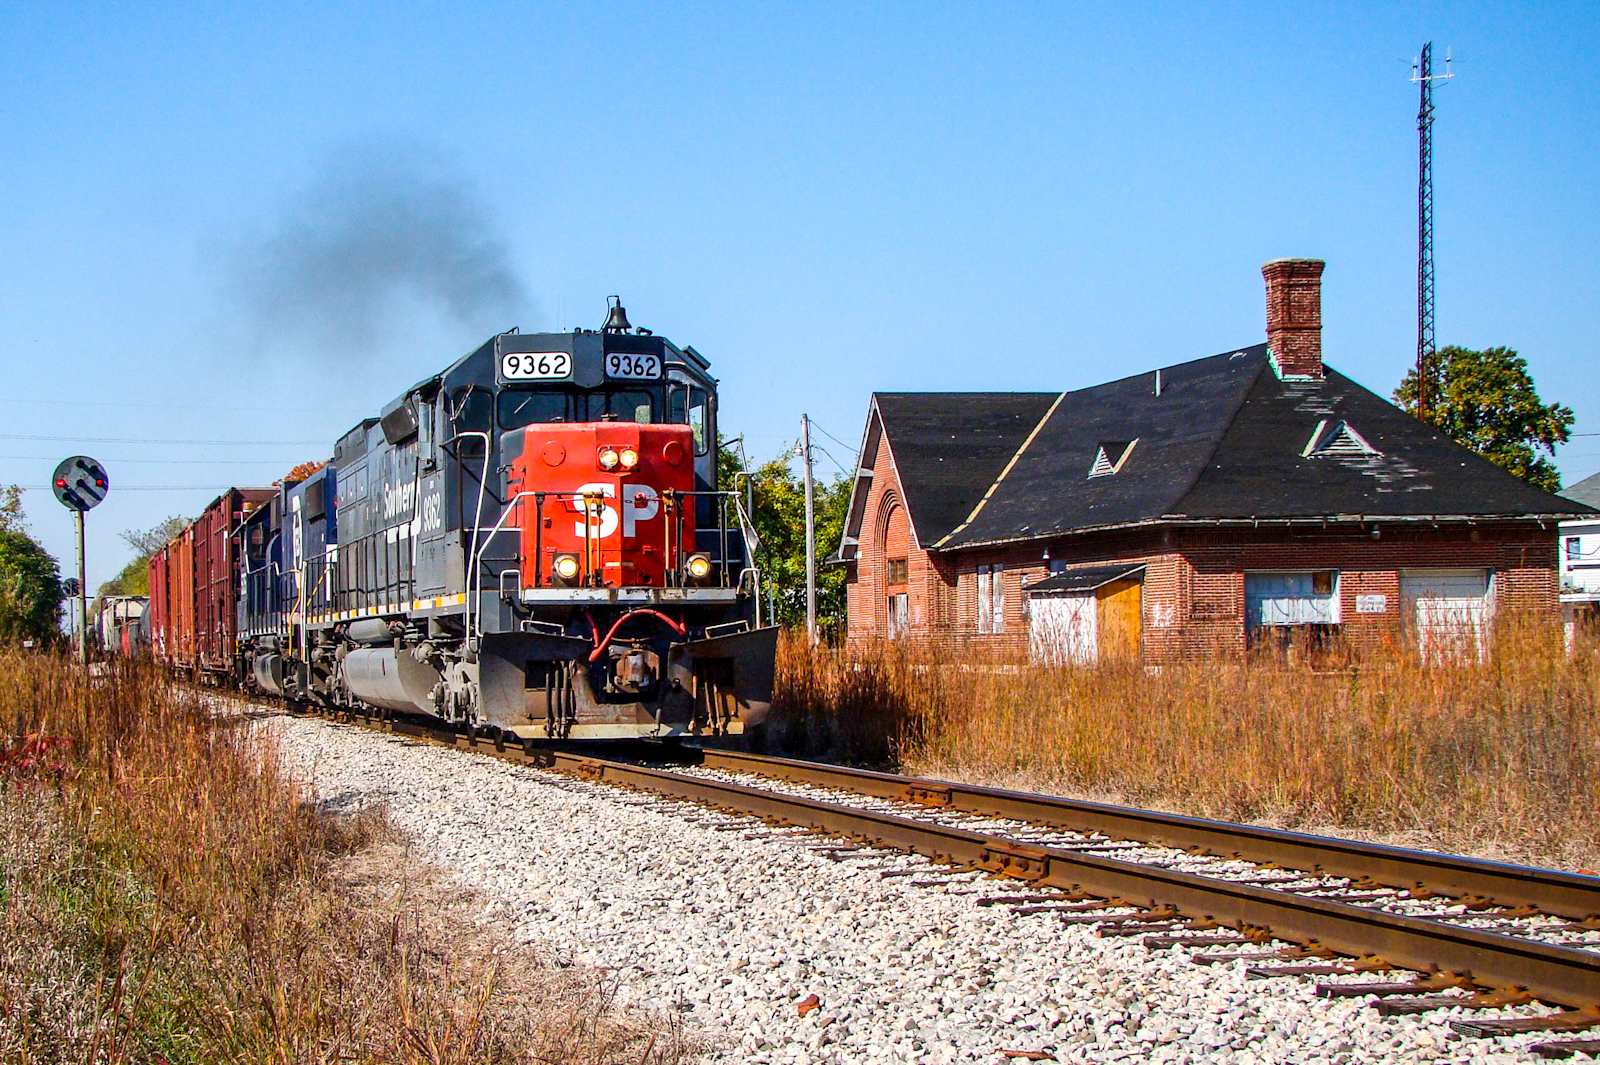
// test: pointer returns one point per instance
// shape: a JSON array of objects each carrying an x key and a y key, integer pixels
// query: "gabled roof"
[
  {"x": 1586, "y": 491},
  {"x": 1221, "y": 438},
  {"x": 948, "y": 449}
]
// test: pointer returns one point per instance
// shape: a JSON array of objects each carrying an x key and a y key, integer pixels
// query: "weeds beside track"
[
  {"x": 1498, "y": 759},
  {"x": 169, "y": 896}
]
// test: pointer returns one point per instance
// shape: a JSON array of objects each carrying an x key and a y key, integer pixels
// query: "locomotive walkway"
[{"x": 1421, "y": 932}]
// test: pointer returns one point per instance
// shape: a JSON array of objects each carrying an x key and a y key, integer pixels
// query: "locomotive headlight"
[
  {"x": 629, "y": 458},
  {"x": 609, "y": 458},
  {"x": 699, "y": 566},
  {"x": 565, "y": 567}
]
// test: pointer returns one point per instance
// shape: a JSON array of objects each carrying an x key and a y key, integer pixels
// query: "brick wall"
[
  {"x": 866, "y": 597},
  {"x": 1193, "y": 599}
]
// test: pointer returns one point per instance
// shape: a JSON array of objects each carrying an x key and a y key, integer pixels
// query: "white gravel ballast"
[{"x": 736, "y": 929}]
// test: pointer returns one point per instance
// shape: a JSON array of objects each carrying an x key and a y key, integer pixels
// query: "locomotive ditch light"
[
  {"x": 698, "y": 566},
  {"x": 629, "y": 458},
  {"x": 609, "y": 458},
  {"x": 565, "y": 567}
]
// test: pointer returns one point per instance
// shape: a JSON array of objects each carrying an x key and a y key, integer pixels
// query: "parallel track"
[{"x": 1507, "y": 965}]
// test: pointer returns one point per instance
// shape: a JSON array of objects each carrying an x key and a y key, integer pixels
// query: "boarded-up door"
[
  {"x": 1119, "y": 613},
  {"x": 1448, "y": 611},
  {"x": 1063, "y": 630}
]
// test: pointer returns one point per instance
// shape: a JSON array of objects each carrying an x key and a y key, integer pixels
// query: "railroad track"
[{"x": 1431, "y": 931}]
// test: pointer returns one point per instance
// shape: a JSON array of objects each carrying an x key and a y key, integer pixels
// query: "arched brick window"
[{"x": 894, "y": 542}]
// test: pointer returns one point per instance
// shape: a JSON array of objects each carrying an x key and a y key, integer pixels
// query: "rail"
[
  {"x": 1549, "y": 891},
  {"x": 1509, "y": 965}
]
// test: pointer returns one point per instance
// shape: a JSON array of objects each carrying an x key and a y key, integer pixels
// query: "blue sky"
[{"x": 826, "y": 200}]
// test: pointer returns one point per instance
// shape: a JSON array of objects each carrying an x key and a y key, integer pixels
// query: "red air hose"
[{"x": 600, "y": 648}]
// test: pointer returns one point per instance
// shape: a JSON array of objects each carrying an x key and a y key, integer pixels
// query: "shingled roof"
[
  {"x": 1224, "y": 438},
  {"x": 948, "y": 448},
  {"x": 1586, "y": 491}
]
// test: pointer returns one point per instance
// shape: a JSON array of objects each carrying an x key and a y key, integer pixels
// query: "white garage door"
[
  {"x": 1448, "y": 611},
  {"x": 1061, "y": 630}
]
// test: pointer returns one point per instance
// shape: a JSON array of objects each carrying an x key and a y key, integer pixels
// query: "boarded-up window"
[
  {"x": 991, "y": 598},
  {"x": 985, "y": 603},
  {"x": 899, "y": 616},
  {"x": 1273, "y": 600}
]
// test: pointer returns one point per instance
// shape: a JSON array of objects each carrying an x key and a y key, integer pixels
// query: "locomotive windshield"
[{"x": 519, "y": 408}]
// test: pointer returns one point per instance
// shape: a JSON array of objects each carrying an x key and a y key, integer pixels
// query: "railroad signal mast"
[
  {"x": 1423, "y": 76},
  {"x": 80, "y": 483}
]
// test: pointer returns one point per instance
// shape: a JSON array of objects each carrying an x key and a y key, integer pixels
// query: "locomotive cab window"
[
  {"x": 622, "y": 405},
  {"x": 519, "y": 408},
  {"x": 472, "y": 411},
  {"x": 687, "y": 405}
]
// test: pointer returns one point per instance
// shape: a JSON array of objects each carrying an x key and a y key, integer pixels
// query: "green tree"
[
  {"x": 135, "y": 576},
  {"x": 779, "y": 519},
  {"x": 30, "y": 580},
  {"x": 1486, "y": 401},
  {"x": 11, "y": 517}
]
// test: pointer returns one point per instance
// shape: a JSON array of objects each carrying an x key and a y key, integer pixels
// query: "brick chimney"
[{"x": 1294, "y": 317}]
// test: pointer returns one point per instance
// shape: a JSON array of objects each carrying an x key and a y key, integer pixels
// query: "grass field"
[
  {"x": 1498, "y": 759},
  {"x": 169, "y": 897}
]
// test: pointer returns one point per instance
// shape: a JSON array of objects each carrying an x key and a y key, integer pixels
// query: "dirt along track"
[{"x": 1040, "y": 906}]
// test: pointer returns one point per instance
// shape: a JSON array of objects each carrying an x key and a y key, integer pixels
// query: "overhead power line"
[
  {"x": 169, "y": 406},
  {"x": 156, "y": 462},
  {"x": 155, "y": 487},
  {"x": 190, "y": 443},
  {"x": 850, "y": 448}
]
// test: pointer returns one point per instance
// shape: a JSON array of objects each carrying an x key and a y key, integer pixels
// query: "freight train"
[{"x": 532, "y": 542}]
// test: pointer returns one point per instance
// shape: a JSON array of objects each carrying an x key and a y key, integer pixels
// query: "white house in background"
[{"x": 1580, "y": 560}]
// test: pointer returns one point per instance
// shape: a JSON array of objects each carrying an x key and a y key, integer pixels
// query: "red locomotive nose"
[{"x": 612, "y": 512}]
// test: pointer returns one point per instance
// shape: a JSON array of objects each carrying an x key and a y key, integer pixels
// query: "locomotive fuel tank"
[{"x": 390, "y": 678}]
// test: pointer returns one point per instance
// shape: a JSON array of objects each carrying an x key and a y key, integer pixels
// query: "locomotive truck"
[{"x": 533, "y": 541}]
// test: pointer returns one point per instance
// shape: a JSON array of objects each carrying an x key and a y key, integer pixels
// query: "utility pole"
[
  {"x": 1423, "y": 76},
  {"x": 811, "y": 532}
]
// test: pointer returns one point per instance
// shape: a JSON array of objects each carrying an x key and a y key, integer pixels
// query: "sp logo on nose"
[{"x": 639, "y": 503}]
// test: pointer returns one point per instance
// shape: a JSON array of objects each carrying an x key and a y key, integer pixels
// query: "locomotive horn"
[{"x": 617, "y": 319}]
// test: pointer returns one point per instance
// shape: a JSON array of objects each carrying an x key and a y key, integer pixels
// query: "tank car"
[
  {"x": 121, "y": 624},
  {"x": 532, "y": 541}
]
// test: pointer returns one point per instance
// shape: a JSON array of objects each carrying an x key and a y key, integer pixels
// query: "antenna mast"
[{"x": 1423, "y": 76}]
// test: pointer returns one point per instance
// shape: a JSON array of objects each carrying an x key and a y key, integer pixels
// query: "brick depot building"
[{"x": 1199, "y": 508}]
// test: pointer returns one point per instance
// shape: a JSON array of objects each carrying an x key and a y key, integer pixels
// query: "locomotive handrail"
[
  {"x": 483, "y": 486},
  {"x": 755, "y": 588},
  {"x": 475, "y": 576}
]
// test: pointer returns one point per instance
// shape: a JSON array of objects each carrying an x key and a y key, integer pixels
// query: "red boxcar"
[
  {"x": 194, "y": 588},
  {"x": 160, "y": 603}
]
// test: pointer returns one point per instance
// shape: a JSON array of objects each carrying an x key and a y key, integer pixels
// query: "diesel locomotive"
[{"x": 533, "y": 541}]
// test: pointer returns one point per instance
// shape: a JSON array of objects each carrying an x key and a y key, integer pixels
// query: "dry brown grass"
[
  {"x": 168, "y": 896},
  {"x": 1499, "y": 759}
]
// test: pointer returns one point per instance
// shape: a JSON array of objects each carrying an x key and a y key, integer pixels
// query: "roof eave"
[{"x": 1182, "y": 521}]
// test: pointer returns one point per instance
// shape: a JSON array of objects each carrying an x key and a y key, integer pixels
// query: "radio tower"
[{"x": 1424, "y": 77}]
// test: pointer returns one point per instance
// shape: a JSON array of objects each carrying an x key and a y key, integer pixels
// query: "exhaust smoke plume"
[{"x": 375, "y": 239}]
